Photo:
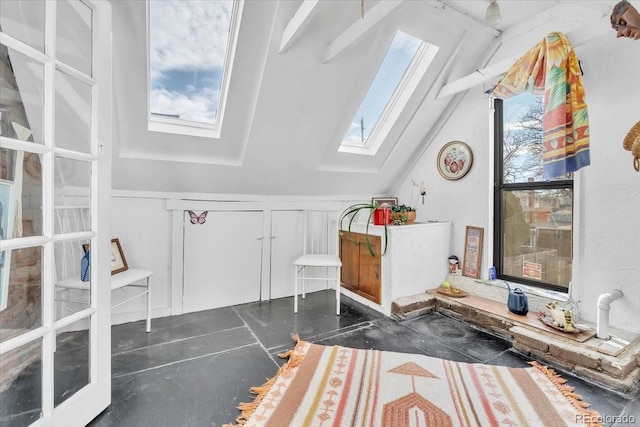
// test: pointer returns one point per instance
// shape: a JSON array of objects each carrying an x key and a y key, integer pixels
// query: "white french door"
[{"x": 55, "y": 173}]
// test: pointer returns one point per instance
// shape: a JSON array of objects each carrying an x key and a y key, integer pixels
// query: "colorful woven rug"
[{"x": 338, "y": 386}]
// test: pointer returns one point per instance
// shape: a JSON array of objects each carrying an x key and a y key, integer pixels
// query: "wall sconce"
[{"x": 492, "y": 16}]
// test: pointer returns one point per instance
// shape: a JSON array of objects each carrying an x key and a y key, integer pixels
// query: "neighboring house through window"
[{"x": 533, "y": 218}]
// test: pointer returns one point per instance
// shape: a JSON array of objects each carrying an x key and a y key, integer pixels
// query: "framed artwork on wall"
[
  {"x": 379, "y": 201},
  {"x": 118, "y": 261},
  {"x": 454, "y": 160},
  {"x": 472, "y": 251}
]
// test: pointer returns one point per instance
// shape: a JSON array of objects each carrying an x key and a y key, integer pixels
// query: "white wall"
[
  {"x": 143, "y": 226},
  {"x": 608, "y": 252}
]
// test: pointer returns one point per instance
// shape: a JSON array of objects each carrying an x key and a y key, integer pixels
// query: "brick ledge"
[{"x": 621, "y": 372}]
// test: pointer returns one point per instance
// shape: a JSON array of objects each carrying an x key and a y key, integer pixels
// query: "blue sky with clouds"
[
  {"x": 187, "y": 54},
  {"x": 188, "y": 46},
  {"x": 398, "y": 57},
  {"x": 517, "y": 106}
]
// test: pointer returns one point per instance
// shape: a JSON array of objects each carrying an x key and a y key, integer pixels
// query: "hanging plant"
[{"x": 352, "y": 212}]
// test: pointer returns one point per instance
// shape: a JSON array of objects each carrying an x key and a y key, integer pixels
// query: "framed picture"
[
  {"x": 454, "y": 160},
  {"x": 118, "y": 261},
  {"x": 379, "y": 201},
  {"x": 472, "y": 251}
]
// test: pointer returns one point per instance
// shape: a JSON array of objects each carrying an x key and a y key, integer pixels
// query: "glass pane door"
[{"x": 55, "y": 121}]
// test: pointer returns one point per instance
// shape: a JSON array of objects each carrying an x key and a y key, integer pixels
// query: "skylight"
[
  {"x": 404, "y": 64},
  {"x": 189, "y": 61}
]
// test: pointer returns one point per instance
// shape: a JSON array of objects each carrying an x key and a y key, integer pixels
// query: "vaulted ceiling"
[{"x": 301, "y": 70}]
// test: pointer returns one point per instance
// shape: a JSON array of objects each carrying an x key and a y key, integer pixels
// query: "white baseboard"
[{"x": 134, "y": 316}]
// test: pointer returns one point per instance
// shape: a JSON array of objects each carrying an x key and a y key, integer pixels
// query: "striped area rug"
[{"x": 339, "y": 386}]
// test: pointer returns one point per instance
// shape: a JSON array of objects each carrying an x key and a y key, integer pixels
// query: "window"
[
  {"x": 533, "y": 226},
  {"x": 189, "y": 64},
  {"x": 402, "y": 68}
]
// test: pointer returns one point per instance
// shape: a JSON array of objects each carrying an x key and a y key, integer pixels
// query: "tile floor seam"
[
  {"x": 17, "y": 416},
  {"x": 329, "y": 334},
  {"x": 444, "y": 343},
  {"x": 175, "y": 341},
  {"x": 177, "y": 362},
  {"x": 508, "y": 350},
  {"x": 255, "y": 337},
  {"x": 340, "y": 332}
]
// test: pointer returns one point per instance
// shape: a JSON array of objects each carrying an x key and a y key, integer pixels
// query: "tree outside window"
[{"x": 533, "y": 218}]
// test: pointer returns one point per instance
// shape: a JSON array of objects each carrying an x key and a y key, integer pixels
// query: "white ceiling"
[{"x": 289, "y": 111}]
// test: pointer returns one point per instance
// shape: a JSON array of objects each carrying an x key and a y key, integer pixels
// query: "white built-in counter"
[{"x": 416, "y": 260}]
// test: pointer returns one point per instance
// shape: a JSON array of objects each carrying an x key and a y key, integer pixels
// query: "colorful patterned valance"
[{"x": 551, "y": 68}]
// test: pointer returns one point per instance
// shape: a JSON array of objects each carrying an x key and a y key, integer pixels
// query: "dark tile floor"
[{"x": 194, "y": 369}]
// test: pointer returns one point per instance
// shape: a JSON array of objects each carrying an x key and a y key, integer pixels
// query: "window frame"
[
  {"x": 158, "y": 123},
  {"x": 416, "y": 70},
  {"x": 499, "y": 189}
]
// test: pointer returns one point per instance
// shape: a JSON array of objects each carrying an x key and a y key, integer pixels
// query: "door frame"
[{"x": 86, "y": 403}]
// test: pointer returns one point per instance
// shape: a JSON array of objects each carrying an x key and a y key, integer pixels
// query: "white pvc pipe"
[{"x": 604, "y": 304}]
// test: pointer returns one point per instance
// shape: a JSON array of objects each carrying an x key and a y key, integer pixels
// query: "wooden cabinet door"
[
  {"x": 370, "y": 269},
  {"x": 350, "y": 257},
  {"x": 361, "y": 273}
]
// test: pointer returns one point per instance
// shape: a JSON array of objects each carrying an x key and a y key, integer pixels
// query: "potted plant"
[
  {"x": 406, "y": 214},
  {"x": 402, "y": 215},
  {"x": 352, "y": 212}
]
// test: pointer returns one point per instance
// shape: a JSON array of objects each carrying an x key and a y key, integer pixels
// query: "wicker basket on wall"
[{"x": 632, "y": 143}]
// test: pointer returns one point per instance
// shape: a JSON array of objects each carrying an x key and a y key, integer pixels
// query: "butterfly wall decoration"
[{"x": 198, "y": 219}]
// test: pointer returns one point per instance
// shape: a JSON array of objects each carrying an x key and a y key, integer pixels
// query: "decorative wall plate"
[{"x": 454, "y": 160}]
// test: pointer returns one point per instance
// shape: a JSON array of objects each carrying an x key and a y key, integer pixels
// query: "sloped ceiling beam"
[
  {"x": 379, "y": 12},
  {"x": 578, "y": 37},
  {"x": 360, "y": 28},
  {"x": 465, "y": 19},
  {"x": 297, "y": 24},
  {"x": 477, "y": 78}
]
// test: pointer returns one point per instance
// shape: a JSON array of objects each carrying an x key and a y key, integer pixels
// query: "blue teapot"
[{"x": 517, "y": 301}]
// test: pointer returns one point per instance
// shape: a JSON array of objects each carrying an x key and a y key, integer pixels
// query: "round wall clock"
[{"x": 454, "y": 160}]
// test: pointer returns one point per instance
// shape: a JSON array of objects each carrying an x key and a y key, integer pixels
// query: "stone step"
[
  {"x": 574, "y": 353},
  {"x": 413, "y": 306}
]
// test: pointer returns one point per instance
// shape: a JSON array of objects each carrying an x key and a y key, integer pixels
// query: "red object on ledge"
[{"x": 382, "y": 216}]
